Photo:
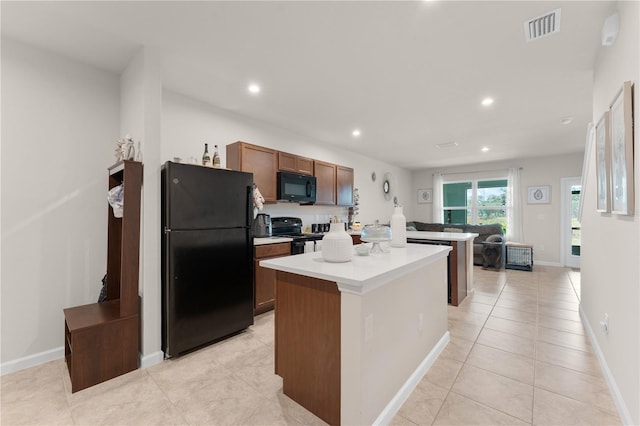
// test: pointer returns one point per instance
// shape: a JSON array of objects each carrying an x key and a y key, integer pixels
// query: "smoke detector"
[{"x": 541, "y": 26}]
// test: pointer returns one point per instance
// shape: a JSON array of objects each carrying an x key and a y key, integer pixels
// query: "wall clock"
[{"x": 387, "y": 185}]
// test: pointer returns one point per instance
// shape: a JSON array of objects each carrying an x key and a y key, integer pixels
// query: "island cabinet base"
[{"x": 307, "y": 343}]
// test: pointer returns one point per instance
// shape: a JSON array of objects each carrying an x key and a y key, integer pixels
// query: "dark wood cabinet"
[
  {"x": 307, "y": 343},
  {"x": 294, "y": 163},
  {"x": 457, "y": 271},
  {"x": 261, "y": 161},
  {"x": 334, "y": 184},
  {"x": 265, "y": 278},
  {"x": 344, "y": 185},
  {"x": 356, "y": 239},
  {"x": 325, "y": 174},
  {"x": 102, "y": 339}
]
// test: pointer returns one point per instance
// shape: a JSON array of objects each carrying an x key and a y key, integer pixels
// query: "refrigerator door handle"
[{"x": 249, "y": 207}]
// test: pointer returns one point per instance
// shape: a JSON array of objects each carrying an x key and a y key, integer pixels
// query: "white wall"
[
  {"x": 610, "y": 275},
  {"x": 140, "y": 116},
  {"x": 541, "y": 222},
  {"x": 188, "y": 124},
  {"x": 59, "y": 122}
]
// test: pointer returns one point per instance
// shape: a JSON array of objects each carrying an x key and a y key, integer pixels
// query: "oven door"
[{"x": 297, "y": 246}]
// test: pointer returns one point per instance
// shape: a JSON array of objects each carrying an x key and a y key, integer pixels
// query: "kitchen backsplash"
[{"x": 308, "y": 214}]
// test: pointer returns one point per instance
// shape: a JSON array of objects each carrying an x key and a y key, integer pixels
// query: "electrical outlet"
[
  {"x": 368, "y": 328},
  {"x": 604, "y": 324},
  {"x": 420, "y": 322}
]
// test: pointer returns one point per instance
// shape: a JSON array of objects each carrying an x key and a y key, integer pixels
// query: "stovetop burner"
[
  {"x": 301, "y": 236},
  {"x": 291, "y": 227}
]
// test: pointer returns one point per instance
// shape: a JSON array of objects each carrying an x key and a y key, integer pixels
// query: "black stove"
[{"x": 291, "y": 227}]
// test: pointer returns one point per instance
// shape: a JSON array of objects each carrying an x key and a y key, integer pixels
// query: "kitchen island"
[
  {"x": 460, "y": 259},
  {"x": 353, "y": 339}
]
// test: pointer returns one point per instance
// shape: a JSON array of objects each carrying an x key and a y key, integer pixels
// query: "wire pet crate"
[{"x": 519, "y": 256}]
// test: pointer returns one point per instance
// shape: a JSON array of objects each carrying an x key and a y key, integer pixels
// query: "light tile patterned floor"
[{"x": 518, "y": 355}]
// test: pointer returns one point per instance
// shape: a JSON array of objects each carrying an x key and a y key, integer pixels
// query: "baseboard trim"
[
  {"x": 623, "y": 411},
  {"x": 31, "y": 360},
  {"x": 387, "y": 414},
  {"x": 58, "y": 353},
  {"x": 152, "y": 359},
  {"x": 544, "y": 263}
]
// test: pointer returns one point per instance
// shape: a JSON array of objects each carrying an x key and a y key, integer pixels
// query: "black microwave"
[{"x": 296, "y": 187}]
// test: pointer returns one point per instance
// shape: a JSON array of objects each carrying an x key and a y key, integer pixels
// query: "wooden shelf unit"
[{"x": 102, "y": 339}]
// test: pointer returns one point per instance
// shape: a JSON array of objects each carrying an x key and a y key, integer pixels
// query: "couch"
[{"x": 488, "y": 246}]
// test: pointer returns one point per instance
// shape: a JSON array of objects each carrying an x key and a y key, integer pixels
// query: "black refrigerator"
[{"x": 207, "y": 255}]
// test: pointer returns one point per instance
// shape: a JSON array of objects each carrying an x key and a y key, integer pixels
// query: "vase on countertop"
[
  {"x": 337, "y": 245},
  {"x": 398, "y": 228}
]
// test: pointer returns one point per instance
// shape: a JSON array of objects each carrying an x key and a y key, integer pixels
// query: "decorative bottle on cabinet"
[
  {"x": 216, "y": 157},
  {"x": 337, "y": 245},
  {"x": 398, "y": 228},
  {"x": 206, "y": 159}
]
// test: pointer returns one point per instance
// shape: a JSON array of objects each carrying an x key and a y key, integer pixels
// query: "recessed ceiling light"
[
  {"x": 253, "y": 88},
  {"x": 356, "y": 133},
  {"x": 487, "y": 101},
  {"x": 485, "y": 149},
  {"x": 566, "y": 120}
]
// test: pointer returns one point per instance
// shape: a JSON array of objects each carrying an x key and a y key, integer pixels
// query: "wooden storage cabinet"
[
  {"x": 294, "y": 163},
  {"x": 260, "y": 161},
  {"x": 344, "y": 185},
  {"x": 99, "y": 343},
  {"x": 265, "y": 278},
  {"x": 102, "y": 339},
  {"x": 325, "y": 174}
]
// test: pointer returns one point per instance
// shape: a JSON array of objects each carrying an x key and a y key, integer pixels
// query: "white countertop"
[
  {"x": 271, "y": 240},
  {"x": 441, "y": 236},
  {"x": 362, "y": 273},
  {"x": 428, "y": 235}
]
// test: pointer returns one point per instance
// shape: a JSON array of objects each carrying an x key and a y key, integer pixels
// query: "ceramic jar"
[
  {"x": 398, "y": 228},
  {"x": 337, "y": 245}
]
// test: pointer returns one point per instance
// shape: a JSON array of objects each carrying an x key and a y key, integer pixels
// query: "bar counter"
[{"x": 353, "y": 339}]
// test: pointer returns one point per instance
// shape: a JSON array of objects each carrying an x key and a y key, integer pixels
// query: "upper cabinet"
[
  {"x": 294, "y": 163},
  {"x": 344, "y": 185},
  {"x": 325, "y": 174},
  {"x": 261, "y": 161},
  {"x": 334, "y": 184}
]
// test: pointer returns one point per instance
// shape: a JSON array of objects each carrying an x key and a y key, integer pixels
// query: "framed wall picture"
[
  {"x": 425, "y": 196},
  {"x": 621, "y": 110},
  {"x": 539, "y": 194},
  {"x": 603, "y": 164}
]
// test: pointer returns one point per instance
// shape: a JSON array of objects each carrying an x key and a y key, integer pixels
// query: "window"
[{"x": 477, "y": 202}]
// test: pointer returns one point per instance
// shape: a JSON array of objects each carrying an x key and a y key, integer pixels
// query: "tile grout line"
[{"x": 466, "y": 358}]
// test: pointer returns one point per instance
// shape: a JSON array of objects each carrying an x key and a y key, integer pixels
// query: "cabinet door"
[
  {"x": 344, "y": 185},
  {"x": 304, "y": 165},
  {"x": 265, "y": 297},
  {"x": 325, "y": 174},
  {"x": 261, "y": 161},
  {"x": 294, "y": 163},
  {"x": 265, "y": 278}
]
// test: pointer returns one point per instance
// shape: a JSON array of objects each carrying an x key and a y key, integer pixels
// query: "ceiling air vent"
[
  {"x": 447, "y": 145},
  {"x": 542, "y": 26}
]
